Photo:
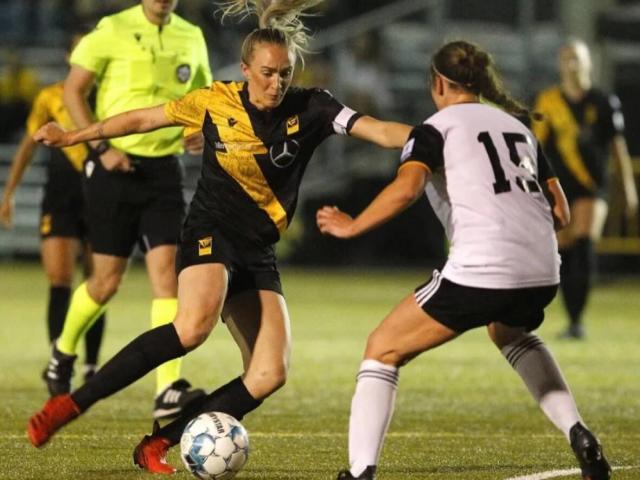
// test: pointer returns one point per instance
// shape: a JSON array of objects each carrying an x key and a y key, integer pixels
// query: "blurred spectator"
[
  {"x": 19, "y": 85},
  {"x": 364, "y": 79},
  {"x": 582, "y": 128},
  {"x": 316, "y": 72}
]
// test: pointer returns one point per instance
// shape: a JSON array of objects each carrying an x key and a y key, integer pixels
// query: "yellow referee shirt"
[{"x": 137, "y": 65}]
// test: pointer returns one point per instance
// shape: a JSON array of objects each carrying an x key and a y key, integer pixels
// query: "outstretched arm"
[
  {"x": 385, "y": 134},
  {"x": 134, "y": 121},
  {"x": 621, "y": 155},
  {"x": 559, "y": 204},
  {"x": 394, "y": 199},
  {"x": 19, "y": 164}
]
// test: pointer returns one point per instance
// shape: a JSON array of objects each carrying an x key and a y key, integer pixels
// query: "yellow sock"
[
  {"x": 163, "y": 311},
  {"x": 82, "y": 313}
]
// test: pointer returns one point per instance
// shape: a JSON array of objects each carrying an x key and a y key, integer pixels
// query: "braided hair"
[{"x": 467, "y": 66}]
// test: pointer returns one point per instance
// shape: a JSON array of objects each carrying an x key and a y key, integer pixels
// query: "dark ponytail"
[{"x": 467, "y": 66}]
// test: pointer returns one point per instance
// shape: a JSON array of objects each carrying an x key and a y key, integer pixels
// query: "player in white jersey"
[{"x": 498, "y": 200}]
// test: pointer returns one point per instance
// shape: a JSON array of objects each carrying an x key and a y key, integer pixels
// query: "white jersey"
[{"x": 485, "y": 167}]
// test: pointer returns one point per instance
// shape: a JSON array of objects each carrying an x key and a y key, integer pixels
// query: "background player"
[
  {"x": 142, "y": 56},
  {"x": 480, "y": 168},
  {"x": 582, "y": 126},
  {"x": 62, "y": 222},
  {"x": 244, "y": 200}
]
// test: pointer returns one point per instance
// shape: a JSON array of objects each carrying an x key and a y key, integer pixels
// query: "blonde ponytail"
[{"x": 278, "y": 21}]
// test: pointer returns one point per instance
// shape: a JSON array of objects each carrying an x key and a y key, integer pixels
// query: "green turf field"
[{"x": 462, "y": 413}]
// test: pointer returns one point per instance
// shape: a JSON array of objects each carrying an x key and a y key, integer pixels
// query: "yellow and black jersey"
[
  {"x": 576, "y": 137},
  {"x": 254, "y": 160},
  {"x": 48, "y": 106}
]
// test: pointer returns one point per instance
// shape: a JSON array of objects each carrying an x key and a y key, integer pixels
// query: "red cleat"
[
  {"x": 151, "y": 453},
  {"x": 56, "y": 413}
]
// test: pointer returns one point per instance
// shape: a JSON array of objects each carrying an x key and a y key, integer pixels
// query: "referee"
[{"x": 140, "y": 57}]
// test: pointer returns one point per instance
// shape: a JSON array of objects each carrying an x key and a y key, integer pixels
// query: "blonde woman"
[{"x": 259, "y": 136}]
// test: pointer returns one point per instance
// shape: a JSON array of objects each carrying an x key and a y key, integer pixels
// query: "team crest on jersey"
[
  {"x": 293, "y": 125},
  {"x": 283, "y": 154},
  {"x": 45, "y": 224},
  {"x": 205, "y": 246},
  {"x": 183, "y": 73}
]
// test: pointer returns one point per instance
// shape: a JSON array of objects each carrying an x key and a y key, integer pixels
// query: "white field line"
[
  {"x": 533, "y": 476},
  {"x": 559, "y": 473}
]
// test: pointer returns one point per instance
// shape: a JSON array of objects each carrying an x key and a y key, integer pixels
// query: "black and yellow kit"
[
  {"x": 62, "y": 208},
  {"x": 576, "y": 137},
  {"x": 252, "y": 167}
]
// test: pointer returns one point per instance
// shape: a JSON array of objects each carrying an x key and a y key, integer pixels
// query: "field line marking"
[{"x": 560, "y": 473}]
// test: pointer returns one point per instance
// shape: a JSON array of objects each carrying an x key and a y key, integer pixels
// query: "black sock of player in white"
[
  {"x": 578, "y": 263},
  {"x": 233, "y": 399},
  {"x": 541, "y": 374},
  {"x": 138, "y": 358},
  {"x": 57, "y": 309},
  {"x": 93, "y": 340},
  {"x": 371, "y": 411}
]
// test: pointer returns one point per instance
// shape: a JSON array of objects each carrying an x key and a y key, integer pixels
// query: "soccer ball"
[{"x": 214, "y": 446}]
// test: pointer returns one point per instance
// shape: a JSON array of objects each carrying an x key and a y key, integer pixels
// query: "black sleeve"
[
  {"x": 545, "y": 170},
  {"x": 336, "y": 117},
  {"x": 425, "y": 145}
]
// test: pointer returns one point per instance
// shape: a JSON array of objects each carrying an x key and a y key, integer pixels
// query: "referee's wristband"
[{"x": 102, "y": 147}]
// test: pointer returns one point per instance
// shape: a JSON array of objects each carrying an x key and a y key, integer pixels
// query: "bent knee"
[
  {"x": 502, "y": 335},
  {"x": 103, "y": 288},
  {"x": 193, "y": 329},
  {"x": 380, "y": 350}
]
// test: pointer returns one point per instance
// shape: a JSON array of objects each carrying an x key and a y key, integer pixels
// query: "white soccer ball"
[{"x": 214, "y": 446}]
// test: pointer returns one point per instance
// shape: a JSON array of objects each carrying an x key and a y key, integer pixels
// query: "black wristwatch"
[{"x": 102, "y": 147}]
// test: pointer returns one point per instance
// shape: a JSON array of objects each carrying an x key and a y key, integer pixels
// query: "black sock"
[
  {"x": 57, "y": 310},
  {"x": 575, "y": 277},
  {"x": 93, "y": 340},
  {"x": 138, "y": 358},
  {"x": 233, "y": 399}
]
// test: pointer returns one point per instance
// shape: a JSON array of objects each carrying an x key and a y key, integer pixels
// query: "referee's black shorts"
[
  {"x": 145, "y": 206},
  {"x": 62, "y": 206},
  {"x": 462, "y": 308},
  {"x": 250, "y": 266}
]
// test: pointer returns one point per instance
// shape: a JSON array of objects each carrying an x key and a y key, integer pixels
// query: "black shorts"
[
  {"x": 462, "y": 308},
  {"x": 62, "y": 207},
  {"x": 145, "y": 206},
  {"x": 250, "y": 267}
]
